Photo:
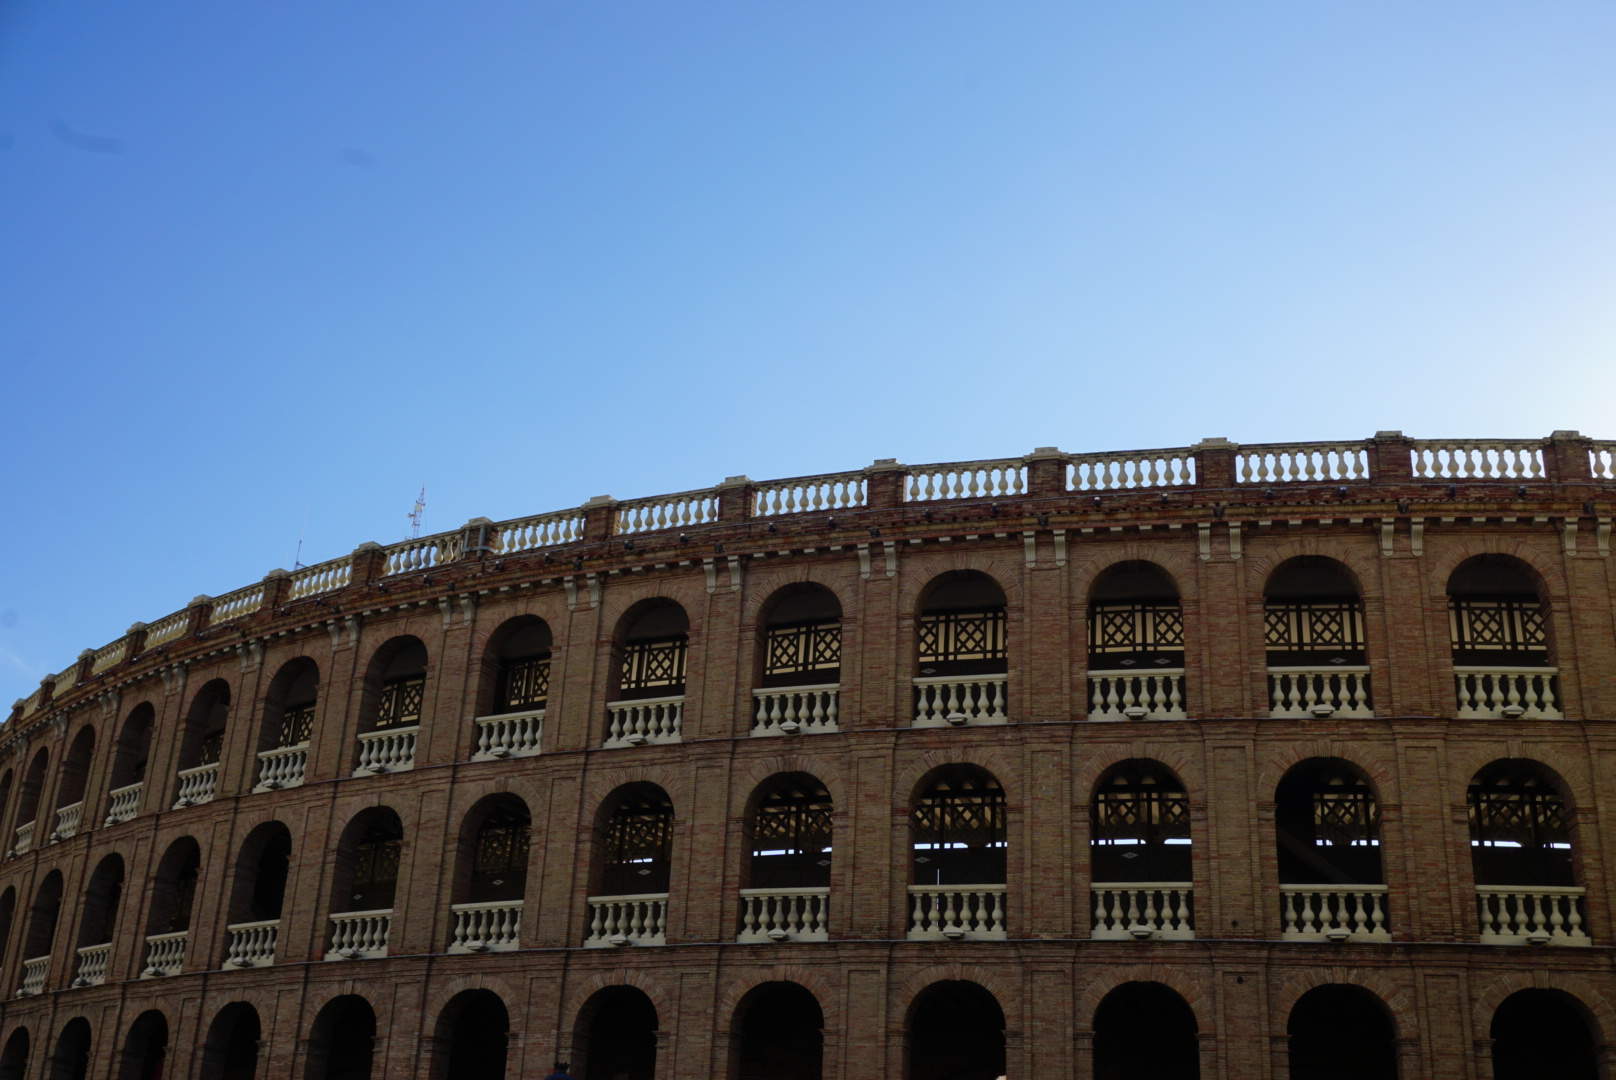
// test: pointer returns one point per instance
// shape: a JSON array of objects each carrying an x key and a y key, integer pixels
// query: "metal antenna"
[
  {"x": 297, "y": 559},
  {"x": 415, "y": 515}
]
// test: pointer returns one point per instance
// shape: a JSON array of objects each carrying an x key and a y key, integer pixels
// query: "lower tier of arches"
[{"x": 849, "y": 1011}]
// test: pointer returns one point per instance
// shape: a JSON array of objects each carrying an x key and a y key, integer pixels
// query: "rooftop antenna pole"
[
  {"x": 297, "y": 563},
  {"x": 415, "y": 515}
]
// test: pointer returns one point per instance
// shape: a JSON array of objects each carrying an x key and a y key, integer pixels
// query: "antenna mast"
[{"x": 415, "y": 515}]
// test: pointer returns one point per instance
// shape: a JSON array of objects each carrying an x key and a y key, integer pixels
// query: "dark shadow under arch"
[
  {"x": 71, "y": 1061},
  {"x": 342, "y": 1041},
  {"x": 1341, "y": 1032},
  {"x": 230, "y": 1051},
  {"x": 472, "y": 1036},
  {"x": 617, "y": 1027},
  {"x": 955, "y": 1032},
  {"x": 1145, "y": 1031},
  {"x": 1542, "y": 1035},
  {"x": 778, "y": 1034},
  {"x": 145, "y": 1050}
]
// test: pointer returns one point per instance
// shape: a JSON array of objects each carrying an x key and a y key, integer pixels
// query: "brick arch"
[
  {"x": 807, "y": 978},
  {"x": 1364, "y": 568},
  {"x": 243, "y": 826},
  {"x": 683, "y": 590},
  {"x": 594, "y": 984},
  {"x": 1562, "y": 768},
  {"x": 663, "y": 776},
  {"x": 764, "y": 584},
  {"x": 376, "y": 992},
  {"x": 1367, "y": 759},
  {"x": 548, "y": 607},
  {"x": 468, "y": 794},
  {"x": 344, "y": 813},
  {"x": 1169, "y": 557},
  {"x": 756, "y": 772},
  {"x": 1004, "y": 991},
  {"x": 1405, "y": 1019},
  {"x": 510, "y": 995},
  {"x": 1005, "y": 572},
  {"x": 1176, "y": 979},
  {"x": 1176, "y": 757},
  {"x": 1473, "y": 544},
  {"x": 1596, "y": 1008},
  {"x": 261, "y": 998},
  {"x": 383, "y": 637},
  {"x": 994, "y": 761}
]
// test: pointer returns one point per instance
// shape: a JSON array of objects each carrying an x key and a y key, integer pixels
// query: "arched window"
[
  {"x": 473, "y": 1031},
  {"x": 100, "y": 916},
  {"x": 962, "y": 627},
  {"x": 1339, "y": 1031},
  {"x": 289, "y": 706},
  {"x": 802, "y": 639},
  {"x": 780, "y": 1034},
  {"x": 375, "y": 846},
  {"x": 791, "y": 834},
  {"x": 1145, "y": 1029},
  {"x": 1140, "y": 825},
  {"x": 655, "y": 640},
  {"x": 129, "y": 760},
  {"x": 71, "y": 1061},
  {"x": 42, "y": 919},
  {"x": 168, "y": 924},
  {"x": 1327, "y": 825},
  {"x": 618, "y": 1028},
  {"x": 14, "y": 1059},
  {"x": 230, "y": 1051},
  {"x": 491, "y": 876},
  {"x": 1499, "y": 623},
  {"x": 146, "y": 1049},
  {"x": 33, "y": 786},
  {"x": 205, "y": 726},
  {"x": 70, "y": 792},
  {"x": 7, "y": 782},
  {"x": 342, "y": 1042},
  {"x": 958, "y": 829},
  {"x": 1520, "y": 827},
  {"x": 402, "y": 690},
  {"x": 257, "y": 895},
  {"x": 522, "y": 678},
  {"x": 1135, "y": 621},
  {"x": 1542, "y": 1035},
  {"x": 1313, "y": 628},
  {"x": 638, "y": 845},
  {"x": 8, "y": 912},
  {"x": 956, "y": 1032}
]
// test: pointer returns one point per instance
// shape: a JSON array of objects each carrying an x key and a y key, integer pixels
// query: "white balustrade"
[
  {"x": 645, "y": 721},
  {"x": 122, "y": 803},
  {"x": 1531, "y": 915},
  {"x": 33, "y": 976},
  {"x": 487, "y": 927},
  {"x": 197, "y": 785},
  {"x": 1138, "y": 469},
  {"x": 422, "y": 553},
  {"x": 666, "y": 512},
  {"x": 168, "y": 628},
  {"x": 1333, "y": 913},
  {"x": 1137, "y": 695},
  {"x": 1286, "y": 463},
  {"x": 25, "y": 839},
  {"x": 92, "y": 970},
  {"x": 282, "y": 767},
  {"x": 1478, "y": 459},
  {"x": 387, "y": 750},
  {"x": 955, "y": 701},
  {"x": 541, "y": 530},
  {"x": 784, "y": 915},
  {"x": 1142, "y": 909},
  {"x": 252, "y": 944},
  {"x": 957, "y": 913},
  {"x": 1499, "y": 693},
  {"x": 360, "y": 935},
  {"x": 1602, "y": 460},
  {"x": 67, "y": 822},
  {"x": 321, "y": 578},
  {"x": 616, "y": 921},
  {"x": 165, "y": 954},
  {"x": 966, "y": 480},
  {"x": 796, "y": 710},
  {"x": 1302, "y": 692},
  {"x": 235, "y": 605},
  {"x": 109, "y": 655},
  {"x": 512, "y": 735},
  {"x": 807, "y": 494}
]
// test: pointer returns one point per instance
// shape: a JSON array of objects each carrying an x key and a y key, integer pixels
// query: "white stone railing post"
[
  {"x": 494, "y": 926},
  {"x": 25, "y": 839},
  {"x": 1333, "y": 913},
  {"x": 122, "y": 803},
  {"x": 92, "y": 969},
  {"x": 282, "y": 767},
  {"x": 1137, "y": 695},
  {"x": 197, "y": 785},
  {"x": 360, "y": 935},
  {"x": 388, "y": 750},
  {"x": 165, "y": 954},
  {"x": 252, "y": 944},
  {"x": 618, "y": 921},
  {"x": 796, "y": 710},
  {"x": 957, "y": 701},
  {"x": 67, "y": 822},
  {"x": 957, "y": 913},
  {"x": 1318, "y": 692},
  {"x": 645, "y": 721},
  {"x": 1531, "y": 915},
  {"x": 784, "y": 915},
  {"x": 1142, "y": 909},
  {"x": 1504, "y": 693},
  {"x": 33, "y": 976},
  {"x": 510, "y": 735}
]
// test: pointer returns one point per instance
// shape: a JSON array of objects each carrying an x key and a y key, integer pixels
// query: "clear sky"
[{"x": 257, "y": 259}]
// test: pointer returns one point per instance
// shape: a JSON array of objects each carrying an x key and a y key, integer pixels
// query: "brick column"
[
  {"x": 885, "y": 479},
  {"x": 1565, "y": 458},
  {"x": 1214, "y": 463},
  {"x": 1046, "y": 473},
  {"x": 600, "y": 515},
  {"x": 734, "y": 499},
  {"x": 1390, "y": 458},
  {"x": 369, "y": 561}
]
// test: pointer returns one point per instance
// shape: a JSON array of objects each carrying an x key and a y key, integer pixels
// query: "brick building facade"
[{"x": 1238, "y": 762}]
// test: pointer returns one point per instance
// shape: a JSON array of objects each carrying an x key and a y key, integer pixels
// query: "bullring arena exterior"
[{"x": 1224, "y": 761}]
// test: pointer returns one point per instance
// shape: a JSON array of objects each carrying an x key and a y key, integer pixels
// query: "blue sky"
[{"x": 262, "y": 257}]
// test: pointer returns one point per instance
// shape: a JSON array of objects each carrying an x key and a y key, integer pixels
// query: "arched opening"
[
  {"x": 1542, "y": 1035},
  {"x": 1146, "y": 1031},
  {"x": 342, "y": 1042},
  {"x": 472, "y": 1035},
  {"x": 787, "y": 878},
  {"x": 257, "y": 895},
  {"x": 146, "y": 1049},
  {"x": 70, "y": 792},
  {"x": 491, "y": 875},
  {"x": 802, "y": 638},
  {"x": 779, "y": 1034},
  {"x": 1136, "y": 645},
  {"x": 102, "y": 899},
  {"x": 1499, "y": 623},
  {"x": 1140, "y": 853},
  {"x": 33, "y": 785},
  {"x": 398, "y": 683},
  {"x": 634, "y": 859},
  {"x": 129, "y": 759},
  {"x": 956, "y": 1032},
  {"x": 7, "y": 782},
  {"x": 14, "y": 1058},
  {"x": 652, "y": 643},
  {"x": 1313, "y": 629},
  {"x": 168, "y": 924},
  {"x": 958, "y": 828},
  {"x": 1341, "y": 1032},
  {"x": 962, "y": 627},
  {"x": 8, "y": 913},
  {"x": 205, "y": 726},
  {"x": 42, "y": 919},
  {"x": 1327, "y": 826},
  {"x": 368, "y": 861},
  {"x": 520, "y": 655},
  {"x": 231, "y": 1049},
  {"x": 71, "y": 1061},
  {"x": 618, "y": 1026},
  {"x": 289, "y": 706},
  {"x": 1523, "y": 853}
]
